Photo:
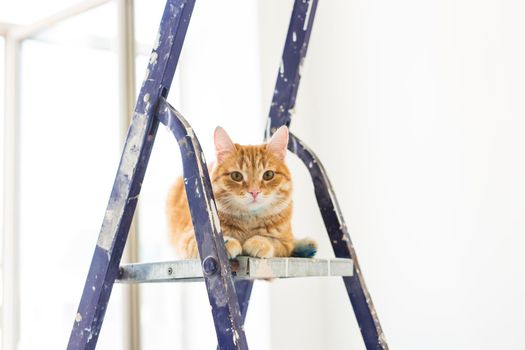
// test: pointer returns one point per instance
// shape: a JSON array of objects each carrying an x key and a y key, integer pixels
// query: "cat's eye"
[
  {"x": 236, "y": 176},
  {"x": 268, "y": 175}
]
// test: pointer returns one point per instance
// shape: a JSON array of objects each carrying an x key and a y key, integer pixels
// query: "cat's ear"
[
  {"x": 279, "y": 142},
  {"x": 223, "y": 144}
]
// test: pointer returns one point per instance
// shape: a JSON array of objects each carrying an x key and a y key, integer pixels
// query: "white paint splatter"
[
  {"x": 301, "y": 67},
  {"x": 215, "y": 220},
  {"x": 153, "y": 58},
  {"x": 190, "y": 132},
  {"x": 307, "y": 17},
  {"x": 197, "y": 192},
  {"x": 146, "y": 76},
  {"x": 157, "y": 42},
  {"x": 236, "y": 337}
]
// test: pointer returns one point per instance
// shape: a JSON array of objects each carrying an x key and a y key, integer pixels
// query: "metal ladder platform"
[
  {"x": 242, "y": 268},
  {"x": 228, "y": 283}
]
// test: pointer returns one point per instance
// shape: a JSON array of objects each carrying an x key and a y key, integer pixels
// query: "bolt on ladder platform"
[{"x": 229, "y": 283}]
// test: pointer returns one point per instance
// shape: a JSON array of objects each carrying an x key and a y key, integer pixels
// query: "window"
[{"x": 69, "y": 153}]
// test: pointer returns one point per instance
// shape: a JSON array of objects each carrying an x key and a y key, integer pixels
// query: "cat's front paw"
[
  {"x": 258, "y": 247},
  {"x": 233, "y": 247}
]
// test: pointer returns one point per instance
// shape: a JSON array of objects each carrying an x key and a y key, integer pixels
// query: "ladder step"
[{"x": 242, "y": 268}]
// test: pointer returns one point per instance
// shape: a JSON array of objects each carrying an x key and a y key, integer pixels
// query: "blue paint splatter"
[{"x": 304, "y": 248}]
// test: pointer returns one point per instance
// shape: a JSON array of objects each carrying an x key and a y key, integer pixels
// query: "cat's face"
[{"x": 251, "y": 179}]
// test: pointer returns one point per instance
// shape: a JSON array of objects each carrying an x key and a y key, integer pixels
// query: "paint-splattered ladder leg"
[
  {"x": 283, "y": 103},
  {"x": 243, "y": 289},
  {"x": 289, "y": 74},
  {"x": 215, "y": 263},
  {"x": 123, "y": 200},
  {"x": 343, "y": 248}
]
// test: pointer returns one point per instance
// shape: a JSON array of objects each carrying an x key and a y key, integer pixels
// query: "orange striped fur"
[{"x": 255, "y": 209}]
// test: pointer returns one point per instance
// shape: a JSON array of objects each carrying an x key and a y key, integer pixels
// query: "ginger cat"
[{"x": 253, "y": 192}]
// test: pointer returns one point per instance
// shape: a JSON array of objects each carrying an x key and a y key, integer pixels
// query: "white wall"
[{"x": 416, "y": 109}]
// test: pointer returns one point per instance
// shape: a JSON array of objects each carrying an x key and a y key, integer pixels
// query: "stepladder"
[{"x": 228, "y": 283}]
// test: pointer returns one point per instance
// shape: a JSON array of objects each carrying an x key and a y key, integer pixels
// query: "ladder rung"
[{"x": 243, "y": 268}]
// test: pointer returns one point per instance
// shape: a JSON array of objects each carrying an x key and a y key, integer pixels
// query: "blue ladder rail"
[{"x": 229, "y": 298}]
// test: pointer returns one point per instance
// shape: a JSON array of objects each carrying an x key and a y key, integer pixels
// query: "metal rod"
[
  {"x": 244, "y": 269},
  {"x": 11, "y": 199},
  {"x": 126, "y": 64}
]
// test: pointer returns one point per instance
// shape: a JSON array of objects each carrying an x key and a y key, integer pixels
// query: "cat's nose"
[{"x": 254, "y": 193}]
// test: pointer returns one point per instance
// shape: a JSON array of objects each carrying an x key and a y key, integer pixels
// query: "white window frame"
[{"x": 14, "y": 36}]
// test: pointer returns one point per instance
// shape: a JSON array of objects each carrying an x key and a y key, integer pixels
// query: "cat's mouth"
[{"x": 256, "y": 204}]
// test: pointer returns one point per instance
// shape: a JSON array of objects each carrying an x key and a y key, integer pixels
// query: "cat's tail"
[{"x": 304, "y": 248}]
